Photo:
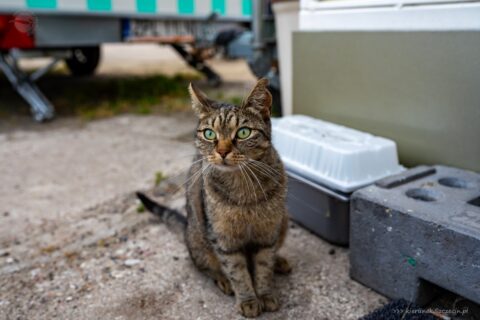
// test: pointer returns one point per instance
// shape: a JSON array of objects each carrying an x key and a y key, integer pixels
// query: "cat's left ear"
[
  {"x": 260, "y": 99},
  {"x": 200, "y": 102}
]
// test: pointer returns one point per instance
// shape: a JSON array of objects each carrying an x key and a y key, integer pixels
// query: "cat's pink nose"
[{"x": 223, "y": 152}]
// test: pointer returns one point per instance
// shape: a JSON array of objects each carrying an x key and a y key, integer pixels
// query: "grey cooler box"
[{"x": 323, "y": 211}]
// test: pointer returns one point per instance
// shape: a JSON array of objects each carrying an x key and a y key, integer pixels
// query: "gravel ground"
[
  {"x": 73, "y": 246},
  {"x": 64, "y": 255}
]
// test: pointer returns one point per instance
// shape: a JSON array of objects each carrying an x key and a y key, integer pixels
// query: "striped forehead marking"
[
  {"x": 216, "y": 123},
  {"x": 224, "y": 121},
  {"x": 232, "y": 119}
]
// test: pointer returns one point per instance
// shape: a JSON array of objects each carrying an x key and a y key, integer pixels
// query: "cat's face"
[{"x": 229, "y": 136}]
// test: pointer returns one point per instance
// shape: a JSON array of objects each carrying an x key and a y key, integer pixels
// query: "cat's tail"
[{"x": 172, "y": 218}]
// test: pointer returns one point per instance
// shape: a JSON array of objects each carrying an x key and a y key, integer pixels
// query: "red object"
[{"x": 17, "y": 31}]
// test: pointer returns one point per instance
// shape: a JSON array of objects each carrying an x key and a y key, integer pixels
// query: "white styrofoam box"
[{"x": 341, "y": 158}]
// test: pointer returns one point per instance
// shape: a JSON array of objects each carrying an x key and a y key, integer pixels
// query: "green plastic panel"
[
  {"x": 99, "y": 5},
  {"x": 42, "y": 4},
  {"x": 147, "y": 6},
  {"x": 418, "y": 88}
]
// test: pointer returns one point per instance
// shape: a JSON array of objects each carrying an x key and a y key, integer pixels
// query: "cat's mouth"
[{"x": 226, "y": 166}]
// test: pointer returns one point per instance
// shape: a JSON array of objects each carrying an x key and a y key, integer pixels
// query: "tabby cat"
[{"x": 236, "y": 215}]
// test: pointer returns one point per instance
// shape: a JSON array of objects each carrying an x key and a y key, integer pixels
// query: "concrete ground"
[{"x": 74, "y": 246}]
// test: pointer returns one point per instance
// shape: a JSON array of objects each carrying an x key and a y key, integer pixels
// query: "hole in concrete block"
[
  {"x": 426, "y": 292},
  {"x": 423, "y": 194},
  {"x": 454, "y": 305},
  {"x": 453, "y": 182},
  {"x": 475, "y": 202}
]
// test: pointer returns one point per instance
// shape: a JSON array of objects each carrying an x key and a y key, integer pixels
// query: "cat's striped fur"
[{"x": 236, "y": 215}]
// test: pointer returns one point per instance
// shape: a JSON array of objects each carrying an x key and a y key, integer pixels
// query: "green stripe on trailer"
[
  {"x": 99, "y": 5},
  {"x": 247, "y": 7},
  {"x": 147, "y": 6},
  {"x": 41, "y": 4},
  {"x": 227, "y": 9},
  {"x": 219, "y": 6},
  {"x": 186, "y": 6}
]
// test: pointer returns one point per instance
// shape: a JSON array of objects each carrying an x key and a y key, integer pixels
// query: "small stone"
[
  {"x": 68, "y": 299},
  {"x": 119, "y": 253},
  {"x": 131, "y": 262},
  {"x": 10, "y": 260},
  {"x": 331, "y": 252},
  {"x": 175, "y": 258},
  {"x": 34, "y": 272}
]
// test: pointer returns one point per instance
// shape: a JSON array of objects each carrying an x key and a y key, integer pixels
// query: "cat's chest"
[{"x": 234, "y": 227}]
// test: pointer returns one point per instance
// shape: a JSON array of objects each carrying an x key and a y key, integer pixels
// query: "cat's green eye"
[
  {"x": 243, "y": 133},
  {"x": 209, "y": 134}
]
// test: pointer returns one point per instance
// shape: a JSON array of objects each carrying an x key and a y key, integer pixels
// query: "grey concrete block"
[{"x": 417, "y": 231}]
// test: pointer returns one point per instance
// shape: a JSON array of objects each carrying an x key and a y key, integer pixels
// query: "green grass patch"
[
  {"x": 225, "y": 97},
  {"x": 159, "y": 177},
  {"x": 236, "y": 100},
  {"x": 140, "y": 208},
  {"x": 144, "y": 95},
  {"x": 105, "y": 96}
]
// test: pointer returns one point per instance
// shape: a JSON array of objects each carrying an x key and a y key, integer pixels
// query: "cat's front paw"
[
  {"x": 270, "y": 302},
  {"x": 250, "y": 308}
]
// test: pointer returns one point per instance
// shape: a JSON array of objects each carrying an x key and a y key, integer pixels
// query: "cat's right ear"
[{"x": 200, "y": 102}]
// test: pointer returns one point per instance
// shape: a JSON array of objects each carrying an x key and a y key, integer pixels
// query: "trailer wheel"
[{"x": 83, "y": 61}]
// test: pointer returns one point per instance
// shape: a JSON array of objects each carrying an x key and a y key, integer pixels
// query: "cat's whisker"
[
  {"x": 261, "y": 167},
  {"x": 199, "y": 176},
  {"x": 256, "y": 161},
  {"x": 253, "y": 186},
  {"x": 265, "y": 172},
  {"x": 194, "y": 175},
  {"x": 266, "y": 166},
  {"x": 243, "y": 178},
  {"x": 175, "y": 178},
  {"x": 201, "y": 159},
  {"x": 256, "y": 178},
  {"x": 268, "y": 173},
  {"x": 251, "y": 183},
  {"x": 271, "y": 178}
]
